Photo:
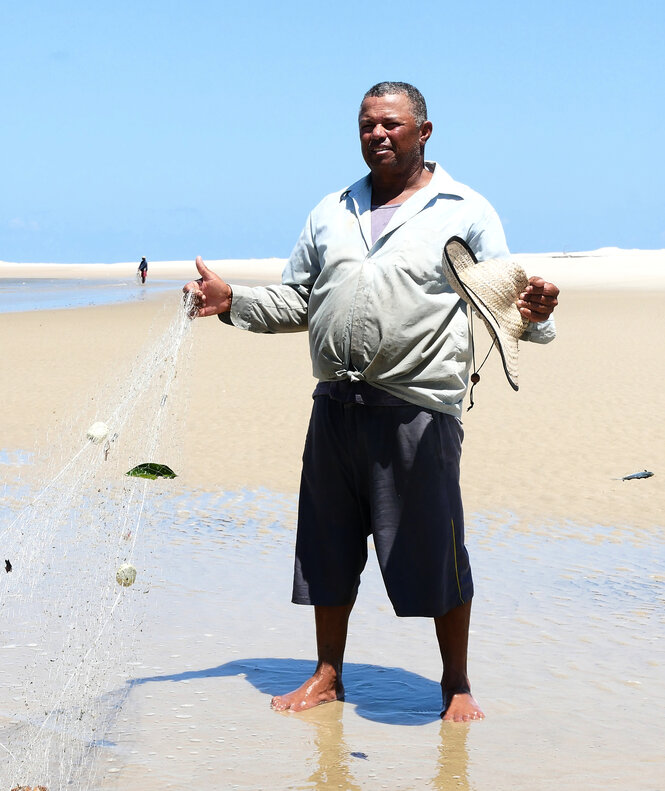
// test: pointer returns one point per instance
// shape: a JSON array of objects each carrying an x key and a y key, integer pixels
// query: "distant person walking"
[{"x": 143, "y": 270}]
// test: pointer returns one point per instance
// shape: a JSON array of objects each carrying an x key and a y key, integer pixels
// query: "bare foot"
[
  {"x": 323, "y": 687},
  {"x": 460, "y": 706}
]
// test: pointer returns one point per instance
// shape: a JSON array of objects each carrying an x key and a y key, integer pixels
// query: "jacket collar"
[{"x": 360, "y": 195}]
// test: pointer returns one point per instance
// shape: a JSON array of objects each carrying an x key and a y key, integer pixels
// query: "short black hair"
[{"x": 416, "y": 99}]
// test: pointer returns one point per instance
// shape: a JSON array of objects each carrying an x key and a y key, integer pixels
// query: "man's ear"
[{"x": 425, "y": 132}]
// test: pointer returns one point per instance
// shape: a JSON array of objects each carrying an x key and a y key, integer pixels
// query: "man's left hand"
[{"x": 538, "y": 300}]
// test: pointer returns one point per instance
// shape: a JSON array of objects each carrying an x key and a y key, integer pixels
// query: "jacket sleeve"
[
  {"x": 283, "y": 307},
  {"x": 540, "y": 332}
]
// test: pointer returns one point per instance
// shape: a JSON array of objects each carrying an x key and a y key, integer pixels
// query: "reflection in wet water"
[
  {"x": 453, "y": 768},
  {"x": 337, "y": 766},
  {"x": 334, "y": 759}
]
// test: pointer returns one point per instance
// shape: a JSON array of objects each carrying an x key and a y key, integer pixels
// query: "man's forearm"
[{"x": 278, "y": 308}]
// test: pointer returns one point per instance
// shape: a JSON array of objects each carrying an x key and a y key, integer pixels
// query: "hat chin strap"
[{"x": 475, "y": 376}]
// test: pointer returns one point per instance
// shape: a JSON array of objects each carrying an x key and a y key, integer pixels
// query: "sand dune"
[{"x": 606, "y": 268}]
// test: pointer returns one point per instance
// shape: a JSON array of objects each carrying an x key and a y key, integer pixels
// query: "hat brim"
[{"x": 455, "y": 260}]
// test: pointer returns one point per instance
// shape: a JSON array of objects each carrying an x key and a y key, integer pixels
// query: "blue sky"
[{"x": 171, "y": 129}]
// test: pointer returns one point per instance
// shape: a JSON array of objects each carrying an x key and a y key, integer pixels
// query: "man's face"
[{"x": 390, "y": 139}]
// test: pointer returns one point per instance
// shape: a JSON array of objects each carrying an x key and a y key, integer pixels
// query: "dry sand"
[{"x": 566, "y": 649}]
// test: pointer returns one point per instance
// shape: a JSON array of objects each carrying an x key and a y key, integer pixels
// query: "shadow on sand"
[{"x": 388, "y": 695}]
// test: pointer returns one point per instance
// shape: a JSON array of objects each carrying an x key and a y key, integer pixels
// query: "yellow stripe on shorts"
[{"x": 459, "y": 587}]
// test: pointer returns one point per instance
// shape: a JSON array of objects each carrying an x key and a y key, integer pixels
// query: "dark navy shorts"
[{"x": 391, "y": 472}]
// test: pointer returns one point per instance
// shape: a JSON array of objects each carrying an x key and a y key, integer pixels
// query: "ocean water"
[{"x": 18, "y": 295}]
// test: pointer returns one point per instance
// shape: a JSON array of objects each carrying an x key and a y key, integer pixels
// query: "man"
[{"x": 390, "y": 348}]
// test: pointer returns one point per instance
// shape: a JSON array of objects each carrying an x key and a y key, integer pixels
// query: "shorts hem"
[
  {"x": 309, "y": 602},
  {"x": 431, "y": 613}
]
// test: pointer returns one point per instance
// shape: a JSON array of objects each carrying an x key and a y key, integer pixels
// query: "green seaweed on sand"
[{"x": 151, "y": 470}]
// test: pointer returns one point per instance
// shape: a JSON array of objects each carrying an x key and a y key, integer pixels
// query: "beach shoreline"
[
  {"x": 606, "y": 268},
  {"x": 260, "y": 270}
]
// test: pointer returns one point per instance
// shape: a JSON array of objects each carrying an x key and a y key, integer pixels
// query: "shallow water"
[
  {"x": 566, "y": 657},
  {"x": 18, "y": 295}
]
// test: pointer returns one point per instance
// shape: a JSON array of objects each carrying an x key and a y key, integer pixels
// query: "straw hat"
[{"x": 491, "y": 288}]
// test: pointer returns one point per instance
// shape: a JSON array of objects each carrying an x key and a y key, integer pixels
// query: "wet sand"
[{"x": 566, "y": 651}]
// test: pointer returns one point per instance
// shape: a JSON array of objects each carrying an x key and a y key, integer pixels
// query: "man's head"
[{"x": 393, "y": 129}]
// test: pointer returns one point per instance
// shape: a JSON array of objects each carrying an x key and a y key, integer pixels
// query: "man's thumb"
[{"x": 203, "y": 269}]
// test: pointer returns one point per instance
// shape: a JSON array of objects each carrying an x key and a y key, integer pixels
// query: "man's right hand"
[{"x": 211, "y": 295}]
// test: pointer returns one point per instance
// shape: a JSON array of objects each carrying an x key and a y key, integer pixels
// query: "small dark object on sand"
[
  {"x": 8, "y": 566},
  {"x": 360, "y": 755},
  {"x": 636, "y": 475}
]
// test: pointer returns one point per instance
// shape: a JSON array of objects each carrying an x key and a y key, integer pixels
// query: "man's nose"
[{"x": 378, "y": 132}]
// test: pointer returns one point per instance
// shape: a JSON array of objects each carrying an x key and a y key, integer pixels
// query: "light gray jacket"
[{"x": 383, "y": 311}]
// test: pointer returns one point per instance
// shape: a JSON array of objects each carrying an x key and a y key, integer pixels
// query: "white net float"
[
  {"x": 98, "y": 432},
  {"x": 126, "y": 575}
]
